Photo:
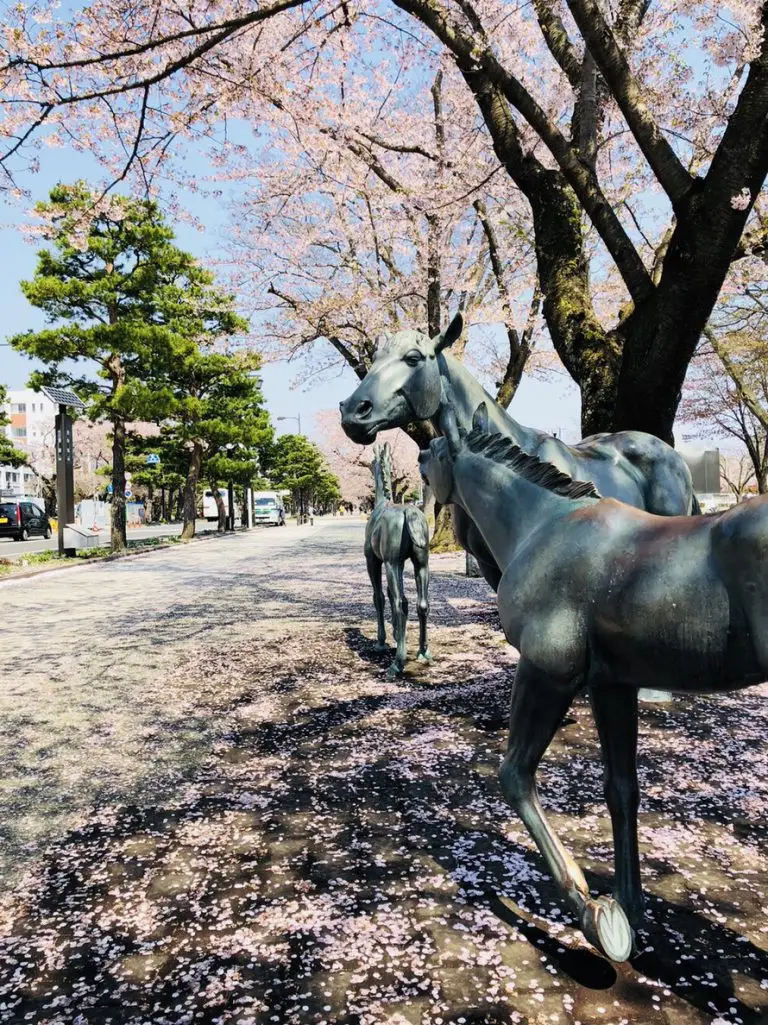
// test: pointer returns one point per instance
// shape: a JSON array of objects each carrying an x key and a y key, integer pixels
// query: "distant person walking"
[{"x": 311, "y": 512}]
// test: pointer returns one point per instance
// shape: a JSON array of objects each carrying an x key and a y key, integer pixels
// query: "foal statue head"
[
  {"x": 436, "y": 462},
  {"x": 402, "y": 386}
]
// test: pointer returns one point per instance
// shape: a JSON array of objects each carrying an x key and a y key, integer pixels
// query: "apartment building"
[{"x": 32, "y": 429}]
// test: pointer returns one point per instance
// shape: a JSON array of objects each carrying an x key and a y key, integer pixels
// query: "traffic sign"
[
  {"x": 153, "y": 459},
  {"x": 128, "y": 475},
  {"x": 110, "y": 489},
  {"x": 128, "y": 493}
]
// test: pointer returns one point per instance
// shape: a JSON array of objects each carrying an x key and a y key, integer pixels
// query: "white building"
[{"x": 31, "y": 429}]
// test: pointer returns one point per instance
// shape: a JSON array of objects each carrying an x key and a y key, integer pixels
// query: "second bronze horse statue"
[
  {"x": 595, "y": 594},
  {"x": 414, "y": 377},
  {"x": 393, "y": 534}
]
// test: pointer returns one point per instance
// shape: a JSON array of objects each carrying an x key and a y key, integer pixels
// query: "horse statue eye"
[{"x": 413, "y": 358}]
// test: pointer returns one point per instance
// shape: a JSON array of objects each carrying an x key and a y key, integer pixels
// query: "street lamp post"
[
  {"x": 65, "y": 483},
  {"x": 301, "y": 493}
]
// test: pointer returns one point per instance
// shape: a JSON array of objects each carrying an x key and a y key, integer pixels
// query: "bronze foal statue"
[
  {"x": 393, "y": 534},
  {"x": 596, "y": 594}
]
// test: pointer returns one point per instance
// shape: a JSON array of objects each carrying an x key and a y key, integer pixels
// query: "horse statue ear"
[
  {"x": 452, "y": 436},
  {"x": 446, "y": 338},
  {"x": 387, "y": 451},
  {"x": 481, "y": 420}
]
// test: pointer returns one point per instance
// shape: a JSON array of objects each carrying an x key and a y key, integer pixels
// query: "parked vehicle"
[
  {"x": 22, "y": 517},
  {"x": 210, "y": 510},
  {"x": 268, "y": 509}
]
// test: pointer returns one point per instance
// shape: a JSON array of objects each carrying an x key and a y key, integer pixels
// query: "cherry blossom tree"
[
  {"x": 728, "y": 387},
  {"x": 637, "y": 135},
  {"x": 351, "y": 464}
]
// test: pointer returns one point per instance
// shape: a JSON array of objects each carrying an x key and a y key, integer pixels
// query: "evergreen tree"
[
  {"x": 9, "y": 454},
  {"x": 219, "y": 420},
  {"x": 122, "y": 299},
  {"x": 296, "y": 463}
]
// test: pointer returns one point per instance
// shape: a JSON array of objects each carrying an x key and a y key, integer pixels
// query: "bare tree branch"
[{"x": 664, "y": 162}]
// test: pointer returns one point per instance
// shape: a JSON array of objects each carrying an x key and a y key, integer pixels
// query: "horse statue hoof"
[
  {"x": 381, "y": 646},
  {"x": 424, "y": 656},
  {"x": 394, "y": 671},
  {"x": 605, "y": 925}
]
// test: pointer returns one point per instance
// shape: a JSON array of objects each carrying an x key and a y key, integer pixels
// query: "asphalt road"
[{"x": 10, "y": 549}]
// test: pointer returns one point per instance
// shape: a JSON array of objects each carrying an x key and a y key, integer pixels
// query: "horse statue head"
[{"x": 402, "y": 385}]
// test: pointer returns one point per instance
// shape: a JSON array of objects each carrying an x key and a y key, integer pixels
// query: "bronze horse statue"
[
  {"x": 393, "y": 534},
  {"x": 596, "y": 594},
  {"x": 413, "y": 377}
]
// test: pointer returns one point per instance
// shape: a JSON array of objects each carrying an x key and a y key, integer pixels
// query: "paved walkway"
[
  {"x": 241, "y": 821},
  {"x": 86, "y": 711}
]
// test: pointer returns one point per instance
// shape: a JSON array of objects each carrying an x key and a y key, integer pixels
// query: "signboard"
[
  {"x": 128, "y": 493},
  {"x": 109, "y": 488},
  {"x": 153, "y": 459}
]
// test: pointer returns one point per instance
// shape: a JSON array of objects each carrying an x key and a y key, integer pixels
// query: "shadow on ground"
[{"x": 345, "y": 856}]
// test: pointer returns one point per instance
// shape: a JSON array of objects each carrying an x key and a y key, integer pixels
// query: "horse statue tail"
[
  {"x": 417, "y": 526},
  {"x": 695, "y": 507}
]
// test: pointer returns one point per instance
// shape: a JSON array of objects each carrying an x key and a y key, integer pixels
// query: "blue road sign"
[
  {"x": 128, "y": 493},
  {"x": 109, "y": 489},
  {"x": 153, "y": 459}
]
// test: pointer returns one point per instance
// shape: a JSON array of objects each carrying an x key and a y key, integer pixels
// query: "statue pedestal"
[{"x": 472, "y": 568}]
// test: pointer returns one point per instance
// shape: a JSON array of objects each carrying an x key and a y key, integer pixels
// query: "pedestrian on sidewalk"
[{"x": 311, "y": 516}]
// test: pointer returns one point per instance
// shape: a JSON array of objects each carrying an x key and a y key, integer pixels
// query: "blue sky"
[{"x": 552, "y": 406}]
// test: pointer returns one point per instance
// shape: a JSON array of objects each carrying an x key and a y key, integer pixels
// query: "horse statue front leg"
[
  {"x": 539, "y": 702},
  {"x": 399, "y": 605},
  {"x": 374, "y": 573}
]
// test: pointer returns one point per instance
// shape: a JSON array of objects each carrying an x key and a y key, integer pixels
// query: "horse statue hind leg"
[
  {"x": 539, "y": 702},
  {"x": 418, "y": 531}
]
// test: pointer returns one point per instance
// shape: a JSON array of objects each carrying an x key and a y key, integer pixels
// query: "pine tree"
[
  {"x": 120, "y": 295},
  {"x": 9, "y": 454},
  {"x": 219, "y": 419}
]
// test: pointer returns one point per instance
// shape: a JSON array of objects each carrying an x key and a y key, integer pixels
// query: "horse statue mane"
[{"x": 502, "y": 450}]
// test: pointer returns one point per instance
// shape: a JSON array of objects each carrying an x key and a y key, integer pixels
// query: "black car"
[{"x": 20, "y": 518}]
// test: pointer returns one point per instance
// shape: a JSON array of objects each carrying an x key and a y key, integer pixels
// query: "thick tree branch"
[
  {"x": 560, "y": 46},
  {"x": 484, "y": 73},
  {"x": 664, "y": 162}
]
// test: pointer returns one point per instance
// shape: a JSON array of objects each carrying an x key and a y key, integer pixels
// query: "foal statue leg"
[
  {"x": 538, "y": 705},
  {"x": 421, "y": 567},
  {"x": 399, "y": 606},
  {"x": 374, "y": 572},
  {"x": 615, "y": 711}
]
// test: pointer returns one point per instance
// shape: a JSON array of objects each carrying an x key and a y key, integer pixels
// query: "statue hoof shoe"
[
  {"x": 424, "y": 656},
  {"x": 394, "y": 671},
  {"x": 605, "y": 925},
  {"x": 381, "y": 646}
]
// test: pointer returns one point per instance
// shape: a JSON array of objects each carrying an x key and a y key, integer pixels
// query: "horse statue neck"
[
  {"x": 505, "y": 506},
  {"x": 463, "y": 393},
  {"x": 383, "y": 493}
]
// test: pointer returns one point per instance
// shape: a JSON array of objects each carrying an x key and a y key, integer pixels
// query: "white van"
[
  {"x": 210, "y": 511},
  {"x": 268, "y": 509}
]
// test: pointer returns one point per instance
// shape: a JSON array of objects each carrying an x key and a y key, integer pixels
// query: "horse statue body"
[
  {"x": 414, "y": 378},
  {"x": 393, "y": 534},
  {"x": 600, "y": 595}
]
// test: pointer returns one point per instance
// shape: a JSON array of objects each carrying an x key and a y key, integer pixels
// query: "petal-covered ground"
[{"x": 344, "y": 855}]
